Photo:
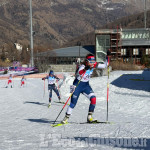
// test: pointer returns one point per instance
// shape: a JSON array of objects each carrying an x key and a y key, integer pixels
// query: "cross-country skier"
[
  {"x": 84, "y": 72},
  {"x": 9, "y": 81},
  {"x": 23, "y": 81},
  {"x": 51, "y": 85}
]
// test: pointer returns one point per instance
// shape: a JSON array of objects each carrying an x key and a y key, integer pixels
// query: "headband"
[{"x": 90, "y": 58}]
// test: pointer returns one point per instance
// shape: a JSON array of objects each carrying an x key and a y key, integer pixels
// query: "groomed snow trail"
[{"x": 25, "y": 119}]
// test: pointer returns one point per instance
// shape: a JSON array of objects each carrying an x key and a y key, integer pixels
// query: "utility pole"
[
  {"x": 31, "y": 36},
  {"x": 145, "y": 17}
]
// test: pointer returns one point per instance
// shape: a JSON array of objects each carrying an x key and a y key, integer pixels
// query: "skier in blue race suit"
[
  {"x": 83, "y": 73},
  {"x": 51, "y": 85}
]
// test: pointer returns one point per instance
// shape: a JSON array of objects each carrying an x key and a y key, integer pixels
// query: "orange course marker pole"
[
  {"x": 44, "y": 89},
  {"x": 107, "y": 88}
]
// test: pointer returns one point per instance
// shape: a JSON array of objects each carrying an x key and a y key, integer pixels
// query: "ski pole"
[
  {"x": 12, "y": 84},
  {"x": 44, "y": 89},
  {"x": 25, "y": 83},
  {"x": 68, "y": 98},
  {"x": 58, "y": 88},
  {"x": 107, "y": 88},
  {"x": 5, "y": 84}
]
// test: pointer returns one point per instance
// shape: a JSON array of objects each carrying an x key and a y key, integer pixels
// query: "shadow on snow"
[
  {"x": 42, "y": 120},
  {"x": 134, "y": 81},
  {"x": 37, "y": 103},
  {"x": 43, "y": 104}
]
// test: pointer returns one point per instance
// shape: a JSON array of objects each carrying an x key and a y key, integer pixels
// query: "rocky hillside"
[
  {"x": 133, "y": 21},
  {"x": 57, "y": 21}
]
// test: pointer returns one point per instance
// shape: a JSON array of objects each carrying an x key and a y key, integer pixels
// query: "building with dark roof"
[
  {"x": 68, "y": 55},
  {"x": 124, "y": 44}
]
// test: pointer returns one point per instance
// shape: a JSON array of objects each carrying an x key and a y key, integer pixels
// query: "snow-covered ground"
[{"x": 25, "y": 119}]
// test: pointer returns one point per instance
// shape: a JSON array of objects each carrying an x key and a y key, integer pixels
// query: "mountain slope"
[
  {"x": 57, "y": 21},
  {"x": 133, "y": 21}
]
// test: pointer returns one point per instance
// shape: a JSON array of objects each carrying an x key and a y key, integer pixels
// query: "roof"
[
  {"x": 75, "y": 51},
  {"x": 120, "y": 30}
]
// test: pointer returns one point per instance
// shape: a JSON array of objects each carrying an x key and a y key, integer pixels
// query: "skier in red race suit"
[
  {"x": 84, "y": 72},
  {"x": 9, "y": 81},
  {"x": 23, "y": 81}
]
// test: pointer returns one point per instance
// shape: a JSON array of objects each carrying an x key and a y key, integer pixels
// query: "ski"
[
  {"x": 102, "y": 122},
  {"x": 94, "y": 122},
  {"x": 98, "y": 122},
  {"x": 60, "y": 102},
  {"x": 59, "y": 124},
  {"x": 49, "y": 105}
]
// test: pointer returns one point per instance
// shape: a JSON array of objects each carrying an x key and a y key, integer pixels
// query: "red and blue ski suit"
[{"x": 84, "y": 87}]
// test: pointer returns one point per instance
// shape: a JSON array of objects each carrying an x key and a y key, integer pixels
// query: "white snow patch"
[{"x": 26, "y": 120}]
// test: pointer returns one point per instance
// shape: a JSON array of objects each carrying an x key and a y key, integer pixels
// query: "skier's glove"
[
  {"x": 43, "y": 78},
  {"x": 72, "y": 88},
  {"x": 108, "y": 53},
  {"x": 87, "y": 67}
]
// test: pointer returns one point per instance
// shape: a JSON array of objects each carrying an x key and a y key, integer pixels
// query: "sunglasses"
[{"x": 91, "y": 61}]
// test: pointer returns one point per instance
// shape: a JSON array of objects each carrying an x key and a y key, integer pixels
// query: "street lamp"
[{"x": 31, "y": 35}]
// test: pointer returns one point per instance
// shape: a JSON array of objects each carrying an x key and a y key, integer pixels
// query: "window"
[
  {"x": 102, "y": 43},
  {"x": 139, "y": 34},
  {"x": 107, "y": 42},
  {"x": 135, "y": 51},
  {"x": 100, "y": 57},
  {"x": 123, "y": 51},
  {"x": 147, "y": 51}
]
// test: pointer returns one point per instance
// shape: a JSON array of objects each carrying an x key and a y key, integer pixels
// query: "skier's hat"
[
  {"x": 90, "y": 58},
  {"x": 51, "y": 72}
]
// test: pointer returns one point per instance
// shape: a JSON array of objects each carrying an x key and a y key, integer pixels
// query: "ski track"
[{"x": 26, "y": 120}]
